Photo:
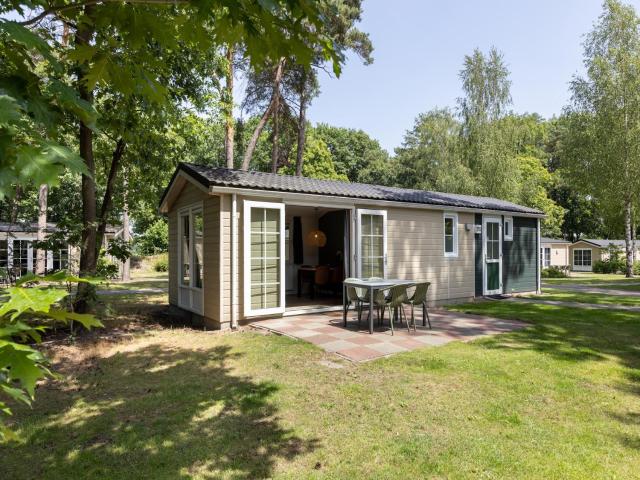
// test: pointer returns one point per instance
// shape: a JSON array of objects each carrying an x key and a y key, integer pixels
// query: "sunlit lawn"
[
  {"x": 557, "y": 294},
  {"x": 587, "y": 278},
  {"x": 557, "y": 400}
]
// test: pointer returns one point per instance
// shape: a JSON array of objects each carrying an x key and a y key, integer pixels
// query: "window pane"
[
  {"x": 272, "y": 220},
  {"x": 365, "y": 225},
  {"x": 186, "y": 254},
  {"x": 448, "y": 226},
  {"x": 198, "y": 228},
  {"x": 4, "y": 254},
  {"x": 20, "y": 256},
  {"x": 265, "y": 258},
  {"x": 448, "y": 244},
  {"x": 376, "y": 224}
]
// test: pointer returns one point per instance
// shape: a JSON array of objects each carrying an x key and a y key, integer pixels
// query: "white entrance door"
[
  {"x": 372, "y": 243},
  {"x": 492, "y": 253},
  {"x": 191, "y": 258},
  {"x": 264, "y": 270}
]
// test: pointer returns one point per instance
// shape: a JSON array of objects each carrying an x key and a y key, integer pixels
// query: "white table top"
[{"x": 387, "y": 282}]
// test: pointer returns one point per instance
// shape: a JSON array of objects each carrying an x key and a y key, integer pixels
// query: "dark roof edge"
[{"x": 206, "y": 182}]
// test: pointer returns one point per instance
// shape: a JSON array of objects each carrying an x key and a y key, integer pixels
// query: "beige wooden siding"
[
  {"x": 559, "y": 254},
  {"x": 415, "y": 249},
  {"x": 190, "y": 195}
]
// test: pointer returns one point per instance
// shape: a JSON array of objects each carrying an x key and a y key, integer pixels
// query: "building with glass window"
[
  {"x": 18, "y": 254},
  {"x": 250, "y": 244}
]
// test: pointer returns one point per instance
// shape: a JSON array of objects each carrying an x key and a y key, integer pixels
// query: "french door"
[
  {"x": 492, "y": 253},
  {"x": 372, "y": 243},
  {"x": 191, "y": 258},
  {"x": 264, "y": 284}
]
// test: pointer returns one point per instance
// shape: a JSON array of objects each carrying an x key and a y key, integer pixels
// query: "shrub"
[
  {"x": 161, "y": 264},
  {"x": 553, "y": 272},
  {"x": 607, "y": 266},
  {"x": 106, "y": 269},
  {"x": 636, "y": 267},
  {"x": 154, "y": 240}
]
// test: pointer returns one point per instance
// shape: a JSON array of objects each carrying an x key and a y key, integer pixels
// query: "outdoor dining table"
[{"x": 371, "y": 286}]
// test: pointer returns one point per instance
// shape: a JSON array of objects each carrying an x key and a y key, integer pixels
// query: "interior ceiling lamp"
[{"x": 316, "y": 237}]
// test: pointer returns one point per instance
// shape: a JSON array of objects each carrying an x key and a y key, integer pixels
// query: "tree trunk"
[
  {"x": 41, "y": 255},
  {"x": 116, "y": 157},
  {"x": 229, "y": 121},
  {"x": 276, "y": 134},
  {"x": 277, "y": 77},
  {"x": 627, "y": 237},
  {"x": 88, "y": 257},
  {"x": 302, "y": 129},
  {"x": 126, "y": 265}
]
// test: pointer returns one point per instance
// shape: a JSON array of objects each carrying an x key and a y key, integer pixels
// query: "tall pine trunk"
[
  {"x": 276, "y": 134},
  {"x": 229, "y": 121},
  {"x": 302, "y": 127},
  {"x": 627, "y": 237},
  {"x": 41, "y": 254},
  {"x": 253, "y": 141}
]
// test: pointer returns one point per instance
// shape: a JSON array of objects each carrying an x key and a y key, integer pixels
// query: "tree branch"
[{"x": 62, "y": 8}]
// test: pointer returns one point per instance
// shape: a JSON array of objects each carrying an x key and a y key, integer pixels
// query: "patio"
[{"x": 355, "y": 343}]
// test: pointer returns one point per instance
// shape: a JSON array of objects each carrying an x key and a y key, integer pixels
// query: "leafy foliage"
[
  {"x": 26, "y": 312},
  {"x": 155, "y": 239}
]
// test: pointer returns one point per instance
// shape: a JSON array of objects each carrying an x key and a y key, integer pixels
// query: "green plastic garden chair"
[
  {"x": 419, "y": 297},
  {"x": 356, "y": 297},
  {"x": 395, "y": 301}
]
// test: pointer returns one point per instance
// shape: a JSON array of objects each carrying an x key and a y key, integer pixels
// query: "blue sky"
[{"x": 419, "y": 49}]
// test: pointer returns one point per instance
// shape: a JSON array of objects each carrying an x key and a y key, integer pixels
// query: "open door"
[
  {"x": 371, "y": 243},
  {"x": 492, "y": 250},
  {"x": 264, "y": 255}
]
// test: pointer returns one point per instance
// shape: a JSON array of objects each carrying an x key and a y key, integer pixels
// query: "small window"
[
  {"x": 508, "y": 228},
  {"x": 4, "y": 254},
  {"x": 450, "y": 235}
]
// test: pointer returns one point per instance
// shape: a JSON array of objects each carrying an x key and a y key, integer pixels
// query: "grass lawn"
[
  {"x": 139, "y": 280},
  {"x": 588, "y": 278},
  {"x": 560, "y": 399},
  {"x": 557, "y": 294}
]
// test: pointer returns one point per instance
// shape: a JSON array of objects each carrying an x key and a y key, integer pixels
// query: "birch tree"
[{"x": 602, "y": 145}]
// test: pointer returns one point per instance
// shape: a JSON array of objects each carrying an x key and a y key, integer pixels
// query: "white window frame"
[
  {"x": 454, "y": 217},
  {"x": 248, "y": 310},
  {"x": 508, "y": 237},
  {"x": 582, "y": 266},
  {"x": 383, "y": 213},
  {"x": 195, "y": 295}
]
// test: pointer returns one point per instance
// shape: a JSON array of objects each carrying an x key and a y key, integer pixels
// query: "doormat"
[{"x": 498, "y": 297}]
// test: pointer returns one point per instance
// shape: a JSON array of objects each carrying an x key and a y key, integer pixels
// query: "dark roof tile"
[{"x": 224, "y": 177}]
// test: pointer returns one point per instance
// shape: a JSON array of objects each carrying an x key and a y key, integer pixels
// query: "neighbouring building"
[
  {"x": 18, "y": 255},
  {"x": 245, "y": 245}
]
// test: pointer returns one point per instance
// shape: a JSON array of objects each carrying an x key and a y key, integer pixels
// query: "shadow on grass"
[
  {"x": 574, "y": 335},
  {"x": 157, "y": 413}
]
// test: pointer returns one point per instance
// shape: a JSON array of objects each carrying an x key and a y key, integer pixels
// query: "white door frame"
[
  {"x": 192, "y": 293},
  {"x": 485, "y": 220},
  {"x": 248, "y": 311},
  {"x": 358, "y": 259}
]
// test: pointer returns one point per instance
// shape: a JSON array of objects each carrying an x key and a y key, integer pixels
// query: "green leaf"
[
  {"x": 36, "y": 300},
  {"x": 23, "y": 36},
  {"x": 9, "y": 110},
  {"x": 20, "y": 363},
  {"x": 16, "y": 393},
  {"x": 87, "y": 320}
]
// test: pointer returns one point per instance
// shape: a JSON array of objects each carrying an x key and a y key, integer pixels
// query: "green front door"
[{"x": 492, "y": 256}]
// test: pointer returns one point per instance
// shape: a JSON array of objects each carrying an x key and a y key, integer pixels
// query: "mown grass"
[
  {"x": 560, "y": 399},
  {"x": 588, "y": 278},
  {"x": 557, "y": 294}
]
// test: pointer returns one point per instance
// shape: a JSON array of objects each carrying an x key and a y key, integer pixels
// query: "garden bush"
[
  {"x": 553, "y": 272},
  {"x": 161, "y": 264},
  {"x": 154, "y": 240},
  {"x": 106, "y": 269}
]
